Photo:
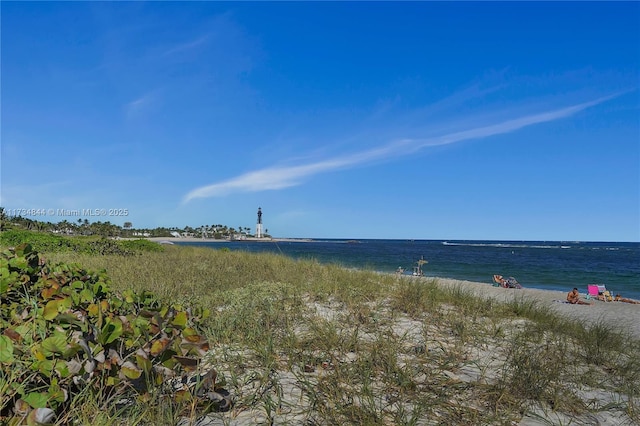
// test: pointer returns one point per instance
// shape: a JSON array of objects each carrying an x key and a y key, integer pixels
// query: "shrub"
[
  {"x": 39, "y": 241},
  {"x": 140, "y": 245},
  {"x": 65, "y": 331},
  {"x": 50, "y": 243}
]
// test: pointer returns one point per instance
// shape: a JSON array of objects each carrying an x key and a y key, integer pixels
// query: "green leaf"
[
  {"x": 24, "y": 330},
  {"x": 100, "y": 288},
  {"x": 130, "y": 370},
  {"x": 55, "y": 344},
  {"x": 93, "y": 310},
  {"x": 62, "y": 369},
  {"x": 36, "y": 399},
  {"x": 86, "y": 295},
  {"x": 45, "y": 367},
  {"x": 6, "y": 350},
  {"x": 66, "y": 303},
  {"x": 6, "y": 279},
  {"x": 180, "y": 319},
  {"x": 39, "y": 353},
  {"x": 51, "y": 309},
  {"x": 163, "y": 311},
  {"x": 23, "y": 249},
  {"x": 116, "y": 303},
  {"x": 19, "y": 263},
  {"x": 74, "y": 297},
  {"x": 57, "y": 395},
  {"x": 111, "y": 330},
  {"x": 159, "y": 346},
  {"x": 189, "y": 332},
  {"x": 69, "y": 319},
  {"x": 4, "y": 285},
  {"x": 144, "y": 363}
]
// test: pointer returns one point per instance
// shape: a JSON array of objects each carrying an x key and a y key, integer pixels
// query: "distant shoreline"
[{"x": 212, "y": 240}]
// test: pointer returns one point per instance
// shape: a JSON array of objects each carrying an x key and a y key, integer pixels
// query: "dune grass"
[{"x": 297, "y": 342}]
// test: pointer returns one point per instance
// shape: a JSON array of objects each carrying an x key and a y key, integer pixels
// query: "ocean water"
[{"x": 556, "y": 265}]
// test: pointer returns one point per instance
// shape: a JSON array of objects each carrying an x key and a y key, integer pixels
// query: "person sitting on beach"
[
  {"x": 573, "y": 297},
  {"x": 506, "y": 283},
  {"x": 500, "y": 281},
  {"x": 605, "y": 296}
]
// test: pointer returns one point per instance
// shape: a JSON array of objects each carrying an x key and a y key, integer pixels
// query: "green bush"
[
  {"x": 39, "y": 241},
  {"x": 140, "y": 245},
  {"x": 65, "y": 332},
  {"x": 50, "y": 243}
]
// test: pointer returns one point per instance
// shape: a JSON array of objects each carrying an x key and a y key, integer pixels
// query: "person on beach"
[
  {"x": 506, "y": 282},
  {"x": 624, "y": 299},
  {"x": 605, "y": 297},
  {"x": 573, "y": 297}
]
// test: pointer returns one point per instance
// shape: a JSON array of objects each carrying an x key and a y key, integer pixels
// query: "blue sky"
[{"x": 419, "y": 120}]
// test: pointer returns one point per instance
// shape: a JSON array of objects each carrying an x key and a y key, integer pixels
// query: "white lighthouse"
[{"x": 259, "y": 224}]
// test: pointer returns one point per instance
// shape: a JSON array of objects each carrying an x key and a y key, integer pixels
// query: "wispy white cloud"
[
  {"x": 279, "y": 177},
  {"x": 283, "y": 177},
  {"x": 509, "y": 125}
]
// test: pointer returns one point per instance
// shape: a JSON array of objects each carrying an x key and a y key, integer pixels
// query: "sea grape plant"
[
  {"x": 52, "y": 243},
  {"x": 63, "y": 330}
]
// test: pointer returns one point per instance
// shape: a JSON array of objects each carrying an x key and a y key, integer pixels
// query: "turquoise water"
[{"x": 556, "y": 265}]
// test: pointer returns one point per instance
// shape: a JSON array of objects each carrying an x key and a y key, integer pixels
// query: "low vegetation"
[
  {"x": 297, "y": 342},
  {"x": 67, "y": 334},
  {"x": 11, "y": 219},
  {"x": 52, "y": 243}
]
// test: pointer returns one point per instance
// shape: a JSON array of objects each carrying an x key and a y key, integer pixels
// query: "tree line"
[{"x": 111, "y": 230}]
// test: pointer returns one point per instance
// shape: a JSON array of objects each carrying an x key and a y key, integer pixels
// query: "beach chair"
[{"x": 599, "y": 291}]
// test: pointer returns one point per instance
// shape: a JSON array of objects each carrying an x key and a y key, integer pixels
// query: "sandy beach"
[{"x": 619, "y": 314}]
